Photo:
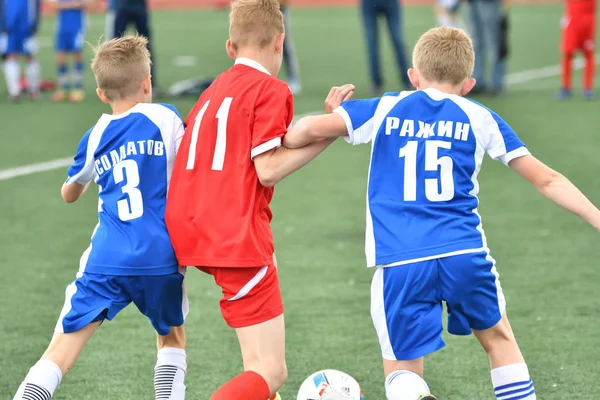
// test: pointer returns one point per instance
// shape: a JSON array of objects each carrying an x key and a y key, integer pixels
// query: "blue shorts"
[
  {"x": 93, "y": 297},
  {"x": 406, "y": 302},
  {"x": 69, "y": 42},
  {"x": 18, "y": 43}
]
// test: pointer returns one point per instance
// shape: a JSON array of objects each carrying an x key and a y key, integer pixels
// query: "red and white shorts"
[
  {"x": 250, "y": 295},
  {"x": 579, "y": 32}
]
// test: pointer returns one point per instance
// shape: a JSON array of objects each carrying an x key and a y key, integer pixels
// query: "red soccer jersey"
[
  {"x": 218, "y": 213},
  {"x": 578, "y": 7}
]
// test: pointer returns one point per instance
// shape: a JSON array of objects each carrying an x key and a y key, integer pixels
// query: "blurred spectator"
[
  {"x": 289, "y": 52},
  {"x": 18, "y": 27},
  {"x": 109, "y": 28},
  {"x": 134, "y": 12},
  {"x": 485, "y": 19},
  {"x": 371, "y": 10},
  {"x": 448, "y": 13}
]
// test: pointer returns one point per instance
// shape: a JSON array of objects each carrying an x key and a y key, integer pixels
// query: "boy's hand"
[{"x": 337, "y": 95}]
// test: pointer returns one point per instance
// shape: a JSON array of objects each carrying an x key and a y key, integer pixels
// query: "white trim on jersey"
[
  {"x": 499, "y": 291},
  {"x": 379, "y": 317},
  {"x": 266, "y": 146},
  {"x": 252, "y": 64},
  {"x": 88, "y": 171},
  {"x": 511, "y": 155},
  {"x": 251, "y": 284},
  {"x": 185, "y": 305}
]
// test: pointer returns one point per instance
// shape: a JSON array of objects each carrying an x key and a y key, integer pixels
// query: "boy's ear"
[
  {"x": 147, "y": 84},
  {"x": 414, "y": 77},
  {"x": 101, "y": 96},
  {"x": 230, "y": 50},
  {"x": 467, "y": 86},
  {"x": 279, "y": 43}
]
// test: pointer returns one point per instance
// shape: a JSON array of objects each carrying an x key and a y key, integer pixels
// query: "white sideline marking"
[{"x": 511, "y": 79}]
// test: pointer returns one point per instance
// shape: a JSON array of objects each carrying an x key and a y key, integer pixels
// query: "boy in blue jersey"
[
  {"x": 130, "y": 155},
  {"x": 70, "y": 36},
  {"x": 423, "y": 234},
  {"x": 18, "y": 28}
]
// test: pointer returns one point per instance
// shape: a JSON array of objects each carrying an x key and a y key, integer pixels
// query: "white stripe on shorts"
[
  {"x": 185, "y": 305},
  {"x": 251, "y": 284},
  {"x": 378, "y": 315}
]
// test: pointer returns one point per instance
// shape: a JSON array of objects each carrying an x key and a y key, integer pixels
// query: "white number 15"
[{"x": 222, "y": 117}]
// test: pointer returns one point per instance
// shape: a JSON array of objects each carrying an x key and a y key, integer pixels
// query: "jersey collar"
[{"x": 252, "y": 64}]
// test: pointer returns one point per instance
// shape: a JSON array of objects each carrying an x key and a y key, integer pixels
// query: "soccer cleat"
[
  {"x": 589, "y": 94},
  {"x": 563, "y": 94},
  {"x": 59, "y": 95},
  {"x": 427, "y": 397},
  {"x": 277, "y": 397},
  {"x": 76, "y": 96},
  {"x": 15, "y": 99}
]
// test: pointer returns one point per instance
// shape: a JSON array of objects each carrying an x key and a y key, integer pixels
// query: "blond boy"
[
  {"x": 424, "y": 236},
  {"x": 218, "y": 210},
  {"x": 129, "y": 154}
]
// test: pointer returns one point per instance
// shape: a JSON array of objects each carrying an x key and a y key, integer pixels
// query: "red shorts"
[
  {"x": 578, "y": 32},
  {"x": 250, "y": 295}
]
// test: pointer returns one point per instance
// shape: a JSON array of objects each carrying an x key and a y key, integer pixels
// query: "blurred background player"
[
  {"x": 448, "y": 13},
  {"x": 130, "y": 155},
  {"x": 290, "y": 59},
  {"x": 390, "y": 9},
  {"x": 70, "y": 37},
  {"x": 109, "y": 27},
  {"x": 578, "y": 34},
  {"x": 19, "y": 25},
  {"x": 134, "y": 12}
]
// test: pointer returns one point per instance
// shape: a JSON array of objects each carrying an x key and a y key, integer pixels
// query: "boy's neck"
[
  {"x": 442, "y": 87},
  {"x": 121, "y": 106},
  {"x": 259, "y": 56}
]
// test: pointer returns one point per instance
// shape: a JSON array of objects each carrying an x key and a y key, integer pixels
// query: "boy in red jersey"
[
  {"x": 218, "y": 211},
  {"x": 578, "y": 33}
]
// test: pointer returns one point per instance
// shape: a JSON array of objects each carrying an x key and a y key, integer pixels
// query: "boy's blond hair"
[
  {"x": 444, "y": 55},
  {"x": 254, "y": 23},
  {"x": 120, "y": 66}
]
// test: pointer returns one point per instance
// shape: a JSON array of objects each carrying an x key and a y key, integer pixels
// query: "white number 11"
[{"x": 221, "y": 144}]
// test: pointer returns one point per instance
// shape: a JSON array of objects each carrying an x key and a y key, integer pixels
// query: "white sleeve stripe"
[
  {"x": 87, "y": 171},
  {"x": 266, "y": 146},
  {"x": 346, "y": 117},
  {"x": 511, "y": 155}
]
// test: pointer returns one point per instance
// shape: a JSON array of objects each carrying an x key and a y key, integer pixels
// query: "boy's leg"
[
  {"x": 171, "y": 365},
  {"x": 590, "y": 56},
  {"x": 253, "y": 306},
  {"x": 394, "y": 22},
  {"x": 163, "y": 300},
  {"x": 471, "y": 288},
  {"x": 509, "y": 371},
  {"x": 45, "y": 376},
  {"x": 289, "y": 54},
  {"x": 568, "y": 47},
  {"x": 476, "y": 25},
  {"x": 369, "y": 14},
  {"x": 11, "y": 45},
  {"x": 77, "y": 94},
  {"x": 406, "y": 311},
  {"x": 62, "y": 72},
  {"x": 33, "y": 71}
]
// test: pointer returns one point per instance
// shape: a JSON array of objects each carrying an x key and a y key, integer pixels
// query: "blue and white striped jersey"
[
  {"x": 427, "y": 150},
  {"x": 130, "y": 156}
]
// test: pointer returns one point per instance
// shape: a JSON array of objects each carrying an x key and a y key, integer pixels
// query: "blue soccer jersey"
[
  {"x": 427, "y": 150},
  {"x": 130, "y": 156}
]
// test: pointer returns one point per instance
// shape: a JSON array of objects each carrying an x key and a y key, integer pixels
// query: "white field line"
[{"x": 511, "y": 79}]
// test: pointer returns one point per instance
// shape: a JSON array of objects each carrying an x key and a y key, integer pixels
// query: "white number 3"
[{"x": 133, "y": 207}]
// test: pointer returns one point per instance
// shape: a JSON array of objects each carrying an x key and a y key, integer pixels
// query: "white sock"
[
  {"x": 405, "y": 385},
  {"x": 513, "y": 381},
  {"x": 12, "y": 74},
  {"x": 33, "y": 73},
  {"x": 41, "y": 382},
  {"x": 169, "y": 374}
]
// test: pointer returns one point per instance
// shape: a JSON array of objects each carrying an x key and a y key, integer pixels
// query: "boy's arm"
[
  {"x": 310, "y": 129},
  {"x": 557, "y": 188},
  {"x": 72, "y": 192},
  {"x": 274, "y": 165},
  {"x": 81, "y": 172}
]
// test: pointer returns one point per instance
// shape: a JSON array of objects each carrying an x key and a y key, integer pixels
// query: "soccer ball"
[{"x": 330, "y": 384}]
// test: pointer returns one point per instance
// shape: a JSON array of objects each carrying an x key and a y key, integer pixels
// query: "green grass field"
[{"x": 548, "y": 259}]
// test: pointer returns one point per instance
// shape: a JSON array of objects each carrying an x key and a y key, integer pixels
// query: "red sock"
[
  {"x": 588, "y": 73},
  {"x": 566, "y": 70},
  {"x": 272, "y": 397},
  {"x": 246, "y": 386}
]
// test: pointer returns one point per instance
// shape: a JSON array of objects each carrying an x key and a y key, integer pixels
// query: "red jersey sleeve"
[{"x": 273, "y": 114}]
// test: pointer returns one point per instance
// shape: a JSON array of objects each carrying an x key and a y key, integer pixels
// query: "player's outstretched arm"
[
  {"x": 72, "y": 192},
  {"x": 310, "y": 129},
  {"x": 557, "y": 188},
  {"x": 273, "y": 166}
]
